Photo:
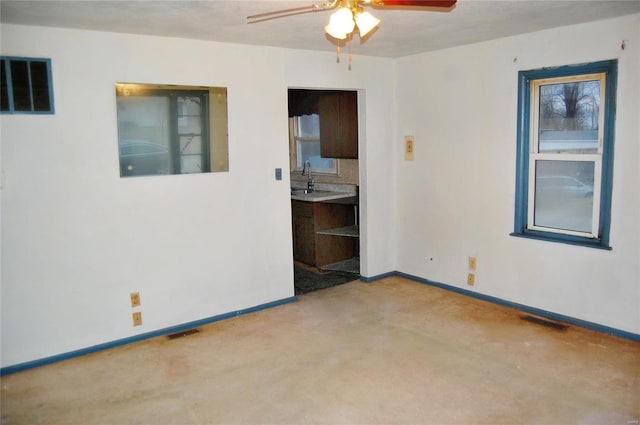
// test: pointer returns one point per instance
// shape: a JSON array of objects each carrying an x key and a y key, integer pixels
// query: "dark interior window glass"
[
  {"x": 40, "y": 86},
  {"x": 25, "y": 85},
  {"x": 4, "y": 96},
  {"x": 20, "y": 83}
]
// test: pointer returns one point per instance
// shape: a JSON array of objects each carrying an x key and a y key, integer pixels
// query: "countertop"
[
  {"x": 325, "y": 192},
  {"x": 320, "y": 195}
]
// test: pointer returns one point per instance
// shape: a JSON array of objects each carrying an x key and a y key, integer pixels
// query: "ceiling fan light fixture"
[
  {"x": 350, "y": 14},
  {"x": 339, "y": 36},
  {"x": 341, "y": 23},
  {"x": 366, "y": 22}
]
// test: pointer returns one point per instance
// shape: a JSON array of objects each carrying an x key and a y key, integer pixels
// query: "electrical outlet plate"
[
  {"x": 472, "y": 263},
  {"x": 135, "y": 299},
  {"x": 471, "y": 279},
  {"x": 137, "y": 318},
  {"x": 408, "y": 148}
]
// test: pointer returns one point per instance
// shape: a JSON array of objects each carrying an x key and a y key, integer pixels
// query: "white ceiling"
[{"x": 401, "y": 32}]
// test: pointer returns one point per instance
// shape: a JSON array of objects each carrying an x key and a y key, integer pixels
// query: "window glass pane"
[
  {"x": 40, "y": 86},
  {"x": 143, "y": 132},
  {"x": 20, "y": 83},
  {"x": 25, "y": 85},
  {"x": 189, "y": 105},
  {"x": 309, "y": 125},
  {"x": 189, "y": 122},
  {"x": 190, "y": 145},
  {"x": 4, "y": 95},
  {"x": 190, "y": 134},
  {"x": 191, "y": 164},
  {"x": 569, "y": 117},
  {"x": 310, "y": 151},
  {"x": 564, "y": 195}
]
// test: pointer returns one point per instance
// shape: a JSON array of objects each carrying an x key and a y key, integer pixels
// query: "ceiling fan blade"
[
  {"x": 291, "y": 11},
  {"x": 444, "y": 4},
  {"x": 255, "y": 18}
]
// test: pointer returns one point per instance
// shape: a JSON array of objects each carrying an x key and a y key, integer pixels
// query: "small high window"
[
  {"x": 565, "y": 153},
  {"x": 25, "y": 86}
]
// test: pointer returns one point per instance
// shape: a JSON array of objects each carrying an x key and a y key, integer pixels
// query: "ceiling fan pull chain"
[
  {"x": 350, "y": 56},
  {"x": 338, "y": 53}
]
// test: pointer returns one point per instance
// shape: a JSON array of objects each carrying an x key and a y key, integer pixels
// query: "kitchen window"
[
  {"x": 25, "y": 86},
  {"x": 565, "y": 153},
  {"x": 306, "y": 145}
]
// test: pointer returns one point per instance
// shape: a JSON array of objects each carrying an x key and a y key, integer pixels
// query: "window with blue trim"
[
  {"x": 564, "y": 171},
  {"x": 25, "y": 86}
]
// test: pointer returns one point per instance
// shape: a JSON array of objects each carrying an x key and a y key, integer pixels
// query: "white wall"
[
  {"x": 457, "y": 198},
  {"x": 77, "y": 238}
]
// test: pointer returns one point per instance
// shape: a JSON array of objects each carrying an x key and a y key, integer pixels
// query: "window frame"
[
  {"x": 523, "y": 224},
  {"x": 8, "y": 60},
  {"x": 295, "y": 138},
  {"x": 175, "y": 155}
]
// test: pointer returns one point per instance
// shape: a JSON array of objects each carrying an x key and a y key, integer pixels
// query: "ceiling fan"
[{"x": 350, "y": 14}]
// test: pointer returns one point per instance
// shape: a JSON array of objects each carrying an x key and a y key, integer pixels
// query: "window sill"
[{"x": 569, "y": 240}]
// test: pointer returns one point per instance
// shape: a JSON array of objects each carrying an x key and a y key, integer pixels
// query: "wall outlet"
[
  {"x": 408, "y": 148},
  {"x": 135, "y": 299},
  {"x": 472, "y": 263},
  {"x": 137, "y": 318},
  {"x": 471, "y": 279}
]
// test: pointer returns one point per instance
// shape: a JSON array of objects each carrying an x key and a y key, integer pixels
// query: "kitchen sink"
[{"x": 308, "y": 192}]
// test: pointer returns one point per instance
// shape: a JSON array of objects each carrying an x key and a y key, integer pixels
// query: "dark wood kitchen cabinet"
[
  {"x": 339, "y": 125},
  {"x": 318, "y": 250}
]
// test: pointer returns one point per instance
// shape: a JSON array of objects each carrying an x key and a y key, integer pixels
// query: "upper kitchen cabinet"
[{"x": 339, "y": 124}]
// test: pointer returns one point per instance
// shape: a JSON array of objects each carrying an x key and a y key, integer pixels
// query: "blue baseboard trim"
[
  {"x": 377, "y": 277},
  {"x": 166, "y": 331},
  {"x": 161, "y": 332},
  {"x": 532, "y": 310}
]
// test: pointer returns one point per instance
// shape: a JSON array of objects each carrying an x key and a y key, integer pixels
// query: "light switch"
[
  {"x": 408, "y": 148},
  {"x": 278, "y": 173}
]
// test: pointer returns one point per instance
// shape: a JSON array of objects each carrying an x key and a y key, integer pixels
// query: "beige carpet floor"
[{"x": 388, "y": 352}]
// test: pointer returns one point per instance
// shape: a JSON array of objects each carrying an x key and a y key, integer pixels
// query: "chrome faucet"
[{"x": 306, "y": 171}]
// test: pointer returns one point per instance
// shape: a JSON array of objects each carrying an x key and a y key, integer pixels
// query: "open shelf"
[
  {"x": 351, "y": 265},
  {"x": 349, "y": 231}
]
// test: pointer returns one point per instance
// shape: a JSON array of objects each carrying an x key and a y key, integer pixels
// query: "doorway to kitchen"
[{"x": 323, "y": 155}]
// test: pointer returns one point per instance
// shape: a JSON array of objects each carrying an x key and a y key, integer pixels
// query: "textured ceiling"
[{"x": 401, "y": 32}]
